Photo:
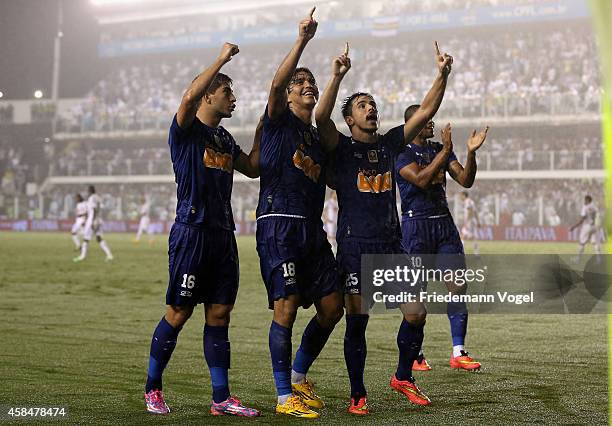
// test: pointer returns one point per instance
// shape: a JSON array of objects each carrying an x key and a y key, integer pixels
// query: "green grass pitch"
[{"x": 78, "y": 335}]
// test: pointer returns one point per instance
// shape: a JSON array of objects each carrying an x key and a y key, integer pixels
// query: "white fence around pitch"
[{"x": 238, "y": 178}]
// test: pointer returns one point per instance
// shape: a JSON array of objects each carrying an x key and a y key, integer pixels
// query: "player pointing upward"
[
  {"x": 296, "y": 260},
  {"x": 368, "y": 221}
]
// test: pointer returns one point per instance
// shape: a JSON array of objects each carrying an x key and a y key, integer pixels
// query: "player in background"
[
  {"x": 296, "y": 260},
  {"x": 80, "y": 216},
  {"x": 145, "y": 220},
  {"x": 590, "y": 230},
  {"x": 368, "y": 223},
  {"x": 330, "y": 219},
  {"x": 471, "y": 223},
  {"x": 427, "y": 224},
  {"x": 202, "y": 252},
  {"x": 93, "y": 225}
]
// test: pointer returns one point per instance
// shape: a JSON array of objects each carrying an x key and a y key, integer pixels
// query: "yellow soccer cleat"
[
  {"x": 294, "y": 406},
  {"x": 307, "y": 394}
]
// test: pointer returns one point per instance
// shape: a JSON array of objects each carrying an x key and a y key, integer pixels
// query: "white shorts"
[
  {"x": 330, "y": 229},
  {"x": 468, "y": 230},
  {"x": 144, "y": 225},
  {"x": 78, "y": 224},
  {"x": 91, "y": 228},
  {"x": 588, "y": 232}
]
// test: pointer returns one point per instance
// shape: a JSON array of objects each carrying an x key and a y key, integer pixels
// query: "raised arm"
[
  {"x": 325, "y": 125},
  {"x": 196, "y": 91},
  {"x": 433, "y": 99},
  {"x": 248, "y": 165},
  {"x": 277, "y": 99},
  {"x": 424, "y": 177},
  {"x": 465, "y": 176}
]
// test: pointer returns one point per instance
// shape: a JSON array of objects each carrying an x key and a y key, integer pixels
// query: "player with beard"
[
  {"x": 368, "y": 221},
  {"x": 296, "y": 260},
  {"x": 427, "y": 224}
]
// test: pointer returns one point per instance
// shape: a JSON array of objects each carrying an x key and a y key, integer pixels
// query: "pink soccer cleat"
[
  {"x": 155, "y": 402},
  {"x": 232, "y": 407}
]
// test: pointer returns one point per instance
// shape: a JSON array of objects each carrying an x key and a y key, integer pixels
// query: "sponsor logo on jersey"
[
  {"x": 218, "y": 160},
  {"x": 373, "y": 156},
  {"x": 373, "y": 183},
  {"x": 306, "y": 164}
]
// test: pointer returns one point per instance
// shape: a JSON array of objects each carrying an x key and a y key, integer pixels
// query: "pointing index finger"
[
  {"x": 437, "y": 48},
  {"x": 346, "y": 49},
  {"x": 312, "y": 11}
]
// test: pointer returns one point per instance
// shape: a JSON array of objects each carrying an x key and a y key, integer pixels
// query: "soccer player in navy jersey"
[
  {"x": 296, "y": 260},
  {"x": 427, "y": 225},
  {"x": 203, "y": 258},
  {"x": 368, "y": 222}
]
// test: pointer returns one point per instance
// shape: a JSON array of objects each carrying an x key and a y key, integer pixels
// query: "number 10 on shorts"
[{"x": 188, "y": 281}]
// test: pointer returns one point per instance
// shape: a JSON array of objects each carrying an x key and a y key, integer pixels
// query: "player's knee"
[
  {"x": 177, "y": 316},
  {"x": 416, "y": 318},
  {"x": 330, "y": 317},
  {"x": 218, "y": 315},
  {"x": 99, "y": 239},
  {"x": 285, "y": 313}
]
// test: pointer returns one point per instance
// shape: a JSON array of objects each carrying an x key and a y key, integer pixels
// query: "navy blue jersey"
[
  {"x": 203, "y": 161},
  {"x": 292, "y": 169},
  {"x": 365, "y": 186},
  {"x": 417, "y": 202}
]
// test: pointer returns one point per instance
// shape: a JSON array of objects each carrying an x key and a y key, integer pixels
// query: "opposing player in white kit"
[
  {"x": 590, "y": 229},
  {"x": 330, "y": 219},
  {"x": 93, "y": 225},
  {"x": 470, "y": 222},
  {"x": 80, "y": 216},
  {"x": 145, "y": 221}
]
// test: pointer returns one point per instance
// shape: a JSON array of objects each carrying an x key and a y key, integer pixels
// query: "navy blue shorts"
[
  {"x": 295, "y": 258},
  {"x": 349, "y": 260},
  {"x": 434, "y": 236},
  {"x": 203, "y": 264}
]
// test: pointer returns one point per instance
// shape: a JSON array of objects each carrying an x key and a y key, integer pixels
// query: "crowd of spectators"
[
  {"x": 510, "y": 153},
  {"x": 43, "y": 111},
  {"x": 6, "y": 113},
  {"x": 495, "y": 73},
  {"x": 82, "y": 160},
  {"x": 13, "y": 169}
]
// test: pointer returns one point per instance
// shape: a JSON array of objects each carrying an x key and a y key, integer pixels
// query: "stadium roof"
[{"x": 122, "y": 11}]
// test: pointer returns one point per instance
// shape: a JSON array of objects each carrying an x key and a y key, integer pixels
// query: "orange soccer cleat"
[
  {"x": 412, "y": 392},
  {"x": 464, "y": 362},
  {"x": 359, "y": 407}
]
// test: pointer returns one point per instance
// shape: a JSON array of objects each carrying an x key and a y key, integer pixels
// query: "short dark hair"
[
  {"x": 410, "y": 112},
  {"x": 220, "y": 80},
  {"x": 91, "y": 189},
  {"x": 347, "y": 103},
  {"x": 79, "y": 197},
  {"x": 588, "y": 197},
  {"x": 299, "y": 70}
]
